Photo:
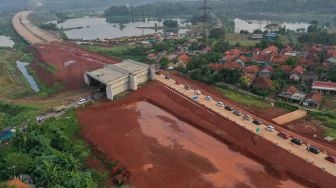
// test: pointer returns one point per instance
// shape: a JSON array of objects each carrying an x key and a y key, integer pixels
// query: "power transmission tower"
[{"x": 205, "y": 18}]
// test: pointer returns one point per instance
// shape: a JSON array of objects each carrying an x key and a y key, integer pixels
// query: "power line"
[{"x": 205, "y": 17}]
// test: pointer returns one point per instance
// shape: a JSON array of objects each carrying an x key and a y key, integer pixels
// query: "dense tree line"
[
  {"x": 318, "y": 34},
  {"x": 156, "y": 10},
  {"x": 231, "y": 7}
]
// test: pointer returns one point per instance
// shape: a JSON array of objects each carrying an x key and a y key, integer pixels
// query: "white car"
[
  {"x": 270, "y": 128},
  {"x": 220, "y": 104},
  {"x": 208, "y": 98},
  {"x": 40, "y": 118},
  {"x": 81, "y": 101}
]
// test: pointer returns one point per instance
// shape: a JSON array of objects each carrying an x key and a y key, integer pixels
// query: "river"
[
  {"x": 22, "y": 67},
  {"x": 90, "y": 28}
]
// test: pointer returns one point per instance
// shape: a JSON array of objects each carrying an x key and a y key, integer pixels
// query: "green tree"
[
  {"x": 221, "y": 47},
  {"x": 229, "y": 76},
  {"x": 170, "y": 23},
  {"x": 14, "y": 163},
  {"x": 332, "y": 75},
  {"x": 217, "y": 33},
  {"x": 164, "y": 62},
  {"x": 293, "y": 61},
  {"x": 273, "y": 27},
  {"x": 244, "y": 82}
]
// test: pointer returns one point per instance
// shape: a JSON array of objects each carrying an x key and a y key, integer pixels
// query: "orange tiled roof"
[{"x": 184, "y": 58}]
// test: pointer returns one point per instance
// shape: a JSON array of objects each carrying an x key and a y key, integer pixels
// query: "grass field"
[
  {"x": 12, "y": 82},
  {"x": 122, "y": 52},
  {"x": 243, "y": 40},
  {"x": 244, "y": 99}
]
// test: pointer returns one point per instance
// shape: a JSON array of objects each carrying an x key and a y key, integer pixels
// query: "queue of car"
[{"x": 269, "y": 128}]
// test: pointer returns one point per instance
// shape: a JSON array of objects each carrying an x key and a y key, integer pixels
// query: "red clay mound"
[
  {"x": 66, "y": 63},
  {"x": 191, "y": 147}
]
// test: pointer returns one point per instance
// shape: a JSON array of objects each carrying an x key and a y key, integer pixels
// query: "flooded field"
[
  {"x": 251, "y": 25},
  {"x": 90, "y": 28}
]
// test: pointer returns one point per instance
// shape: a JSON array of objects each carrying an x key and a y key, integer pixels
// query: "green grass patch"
[
  {"x": 136, "y": 53},
  {"x": 244, "y": 99},
  {"x": 284, "y": 105},
  {"x": 49, "y": 67},
  {"x": 328, "y": 118},
  {"x": 27, "y": 57},
  {"x": 15, "y": 115},
  {"x": 12, "y": 82},
  {"x": 44, "y": 89},
  {"x": 330, "y": 132}
]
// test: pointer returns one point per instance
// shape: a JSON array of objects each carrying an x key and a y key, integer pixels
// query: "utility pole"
[{"x": 205, "y": 18}]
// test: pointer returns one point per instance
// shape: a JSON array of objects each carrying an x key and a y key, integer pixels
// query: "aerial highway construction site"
[{"x": 172, "y": 132}]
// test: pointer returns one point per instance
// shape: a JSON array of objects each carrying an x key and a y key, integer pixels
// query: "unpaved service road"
[
  {"x": 167, "y": 140},
  {"x": 300, "y": 151}
]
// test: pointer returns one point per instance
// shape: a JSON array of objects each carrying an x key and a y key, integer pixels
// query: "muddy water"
[{"x": 232, "y": 168}]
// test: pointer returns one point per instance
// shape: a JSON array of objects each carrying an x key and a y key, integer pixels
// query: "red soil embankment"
[
  {"x": 66, "y": 64},
  {"x": 111, "y": 128}
]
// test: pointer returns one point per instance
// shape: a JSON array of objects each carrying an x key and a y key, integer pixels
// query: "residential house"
[
  {"x": 235, "y": 52},
  {"x": 216, "y": 66},
  {"x": 17, "y": 183},
  {"x": 262, "y": 58},
  {"x": 324, "y": 87},
  {"x": 256, "y": 51},
  {"x": 171, "y": 57},
  {"x": 183, "y": 60},
  {"x": 273, "y": 50},
  {"x": 230, "y": 55},
  {"x": 246, "y": 52},
  {"x": 279, "y": 59},
  {"x": 262, "y": 83},
  {"x": 251, "y": 69},
  {"x": 228, "y": 58},
  {"x": 287, "y": 69},
  {"x": 331, "y": 61},
  {"x": 257, "y": 36},
  {"x": 287, "y": 50},
  {"x": 233, "y": 66},
  {"x": 242, "y": 60},
  {"x": 314, "y": 52},
  {"x": 292, "y": 94},
  {"x": 331, "y": 53},
  {"x": 152, "y": 56},
  {"x": 270, "y": 36},
  {"x": 306, "y": 63},
  {"x": 296, "y": 73},
  {"x": 266, "y": 71},
  {"x": 312, "y": 100}
]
